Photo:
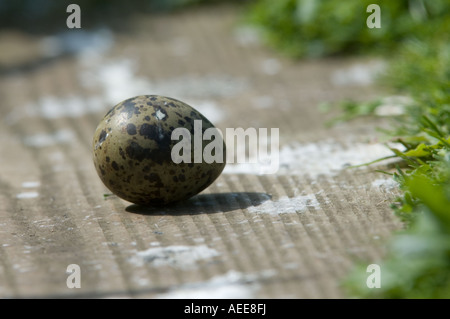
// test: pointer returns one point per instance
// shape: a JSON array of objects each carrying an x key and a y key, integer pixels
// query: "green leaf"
[
  {"x": 433, "y": 196},
  {"x": 420, "y": 151}
]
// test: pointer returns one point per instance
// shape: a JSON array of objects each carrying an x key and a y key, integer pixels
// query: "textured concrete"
[{"x": 293, "y": 234}]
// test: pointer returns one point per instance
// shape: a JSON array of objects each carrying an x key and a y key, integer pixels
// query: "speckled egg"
[{"x": 132, "y": 149}]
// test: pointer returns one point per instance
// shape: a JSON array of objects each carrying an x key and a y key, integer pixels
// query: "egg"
[{"x": 140, "y": 159}]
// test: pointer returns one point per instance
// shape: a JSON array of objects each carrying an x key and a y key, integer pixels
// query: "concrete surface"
[{"x": 293, "y": 234}]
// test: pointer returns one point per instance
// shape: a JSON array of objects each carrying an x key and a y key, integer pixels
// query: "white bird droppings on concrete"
[
  {"x": 326, "y": 157},
  {"x": 26, "y": 195},
  {"x": 232, "y": 285},
  {"x": 286, "y": 205},
  {"x": 31, "y": 184},
  {"x": 358, "y": 74},
  {"x": 386, "y": 184},
  {"x": 184, "y": 257},
  {"x": 45, "y": 139}
]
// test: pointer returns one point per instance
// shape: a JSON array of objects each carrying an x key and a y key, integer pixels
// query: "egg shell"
[{"x": 132, "y": 151}]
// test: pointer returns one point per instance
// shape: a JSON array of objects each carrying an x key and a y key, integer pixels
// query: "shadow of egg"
[{"x": 205, "y": 204}]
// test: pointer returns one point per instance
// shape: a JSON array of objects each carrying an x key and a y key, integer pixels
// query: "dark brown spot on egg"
[
  {"x": 129, "y": 107},
  {"x": 131, "y": 129},
  {"x": 157, "y": 134},
  {"x": 154, "y": 178},
  {"x": 122, "y": 153},
  {"x": 102, "y": 137},
  {"x": 139, "y": 153},
  {"x": 149, "y": 131},
  {"x": 115, "y": 166},
  {"x": 136, "y": 152}
]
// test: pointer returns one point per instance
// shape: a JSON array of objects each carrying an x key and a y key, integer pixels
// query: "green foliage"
[
  {"x": 418, "y": 263},
  {"x": 351, "y": 110},
  {"x": 314, "y": 28},
  {"x": 422, "y": 70}
]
